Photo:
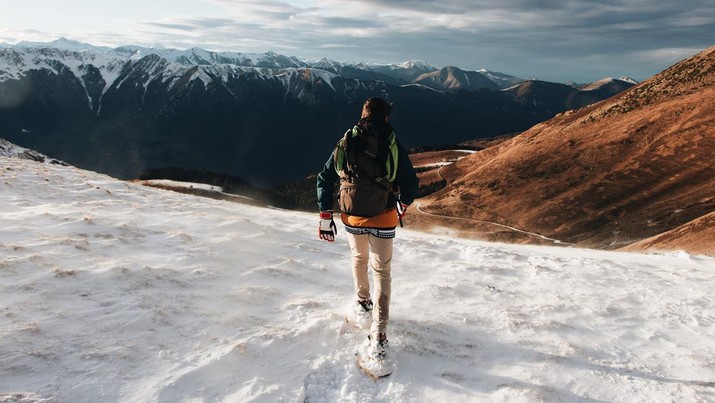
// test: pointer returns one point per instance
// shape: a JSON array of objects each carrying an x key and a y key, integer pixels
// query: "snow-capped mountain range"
[
  {"x": 268, "y": 64},
  {"x": 108, "y": 59},
  {"x": 223, "y": 111}
]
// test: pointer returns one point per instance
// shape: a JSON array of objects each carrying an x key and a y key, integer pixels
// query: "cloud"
[
  {"x": 550, "y": 35},
  {"x": 171, "y": 26},
  {"x": 548, "y": 39},
  {"x": 551, "y": 39},
  {"x": 192, "y": 24},
  {"x": 261, "y": 11}
]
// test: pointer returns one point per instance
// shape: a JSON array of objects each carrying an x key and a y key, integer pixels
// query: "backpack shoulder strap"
[
  {"x": 392, "y": 157},
  {"x": 339, "y": 153}
]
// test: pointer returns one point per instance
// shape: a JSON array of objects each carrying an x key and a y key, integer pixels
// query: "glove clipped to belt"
[
  {"x": 401, "y": 210},
  {"x": 327, "y": 228}
]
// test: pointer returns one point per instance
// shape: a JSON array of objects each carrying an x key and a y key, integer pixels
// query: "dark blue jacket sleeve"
[
  {"x": 326, "y": 185},
  {"x": 406, "y": 177}
]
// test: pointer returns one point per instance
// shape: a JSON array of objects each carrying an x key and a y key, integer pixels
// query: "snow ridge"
[{"x": 10, "y": 150}]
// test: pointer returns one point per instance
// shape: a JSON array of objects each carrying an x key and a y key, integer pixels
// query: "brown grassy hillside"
[
  {"x": 625, "y": 169},
  {"x": 697, "y": 236}
]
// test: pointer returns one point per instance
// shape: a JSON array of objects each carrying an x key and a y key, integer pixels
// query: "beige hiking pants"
[{"x": 378, "y": 252}]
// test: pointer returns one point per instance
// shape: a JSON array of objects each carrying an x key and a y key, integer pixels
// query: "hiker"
[{"x": 377, "y": 185}]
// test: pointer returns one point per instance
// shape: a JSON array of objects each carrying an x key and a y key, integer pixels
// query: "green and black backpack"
[{"x": 366, "y": 162}]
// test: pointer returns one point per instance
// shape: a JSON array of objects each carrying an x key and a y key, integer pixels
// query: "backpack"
[{"x": 366, "y": 161}]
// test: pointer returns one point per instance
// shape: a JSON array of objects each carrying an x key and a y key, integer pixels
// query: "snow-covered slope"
[
  {"x": 628, "y": 79},
  {"x": 8, "y": 149},
  {"x": 110, "y": 291},
  {"x": 14, "y": 63}
]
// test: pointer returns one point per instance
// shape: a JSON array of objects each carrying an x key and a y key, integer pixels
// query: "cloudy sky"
[{"x": 556, "y": 40}]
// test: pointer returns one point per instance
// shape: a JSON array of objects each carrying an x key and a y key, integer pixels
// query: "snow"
[
  {"x": 171, "y": 64},
  {"x": 200, "y": 74},
  {"x": 325, "y": 76},
  {"x": 188, "y": 185},
  {"x": 628, "y": 80},
  {"x": 422, "y": 86},
  {"x": 607, "y": 80},
  {"x": 505, "y": 81},
  {"x": 208, "y": 190},
  {"x": 23, "y": 59},
  {"x": 64, "y": 44},
  {"x": 598, "y": 84},
  {"x": 416, "y": 64},
  {"x": 435, "y": 165},
  {"x": 111, "y": 291},
  {"x": 8, "y": 149},
  {"x": 289, "y": 75}
]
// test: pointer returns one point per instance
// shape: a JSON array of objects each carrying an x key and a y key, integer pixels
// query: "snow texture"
[{"x": 110, "y": 291}]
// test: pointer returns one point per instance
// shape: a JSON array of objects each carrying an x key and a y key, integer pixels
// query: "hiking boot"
[
  {"x": 377, "y": 346},
  {"x": 359, "y": 312},
  {"x": 364, "y": 307}
]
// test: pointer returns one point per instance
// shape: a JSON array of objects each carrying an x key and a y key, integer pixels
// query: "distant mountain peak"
[
  {"x": 416, "y": 64},
  {"x": 63, "y": 41},
  {"x": 451, "y": 78},
  {"x": 598, "y": 83}
]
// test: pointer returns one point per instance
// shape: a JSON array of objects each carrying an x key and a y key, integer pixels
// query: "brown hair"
[{"x": 376, "y": 108}]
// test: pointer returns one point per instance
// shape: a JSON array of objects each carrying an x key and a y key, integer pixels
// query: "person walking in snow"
[{"x": 377, "y": 185}]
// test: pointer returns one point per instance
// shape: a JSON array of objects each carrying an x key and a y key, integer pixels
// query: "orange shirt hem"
[{"x": 387, "y": 219}]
